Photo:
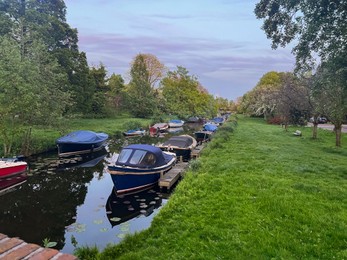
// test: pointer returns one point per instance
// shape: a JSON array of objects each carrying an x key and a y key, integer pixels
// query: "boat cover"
[
  {"x": 176, "y": 121},
  {"x": 82, "y": 137},
  {"x": 210, "y": 127},
  {"x": 218, "y": 120},
  {"x": 161, "y": 157},
  {"x": 179, "y": 141}
]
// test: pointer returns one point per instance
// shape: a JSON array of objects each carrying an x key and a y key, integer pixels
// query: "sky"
[{"x": 218, "y": 41}]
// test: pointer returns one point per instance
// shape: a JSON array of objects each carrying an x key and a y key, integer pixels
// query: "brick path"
[{"x": 15, "y": 248}]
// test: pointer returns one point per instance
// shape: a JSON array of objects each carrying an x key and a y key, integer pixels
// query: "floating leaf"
[
  {"x": 124, "y": 228},
  {"x": 98, "y": 221},
  {"x": 115, "y": 219},
  {"x": 103, "y": 229}
]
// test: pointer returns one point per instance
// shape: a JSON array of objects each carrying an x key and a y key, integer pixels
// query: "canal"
[{"x": 71, "y": 201}]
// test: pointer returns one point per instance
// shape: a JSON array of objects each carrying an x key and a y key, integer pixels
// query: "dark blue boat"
[
  {"x": 81, "y": 142},
  {"x": 139, "y": 166}
]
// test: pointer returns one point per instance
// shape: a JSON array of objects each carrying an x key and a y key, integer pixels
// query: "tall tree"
[
  {"x": 142, "y": 101},
  {"x": 185, "y": 96},
  {"x": 31, "y": 89},
  {"x": 155, "y": 69},
  {"x": 116, "y": 93}
]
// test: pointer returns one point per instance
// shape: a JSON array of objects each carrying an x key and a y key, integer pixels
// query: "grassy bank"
[
  {"x": 43, "y": 138},
  {"x": 256, "y": 193}
]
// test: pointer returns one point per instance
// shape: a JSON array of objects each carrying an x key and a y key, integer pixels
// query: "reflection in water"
[
  {"x": 11, "y": 183},
  {"x": 123, "y": 208},
  {"x": 46, "y": 203}
]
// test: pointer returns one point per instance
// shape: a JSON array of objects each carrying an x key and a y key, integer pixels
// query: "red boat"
[{"x": 10, "y": 168}]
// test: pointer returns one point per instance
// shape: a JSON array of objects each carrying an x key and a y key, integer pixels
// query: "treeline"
[
  {"x": 44, "y": 77},
  {"x": 318, "y": 86}
]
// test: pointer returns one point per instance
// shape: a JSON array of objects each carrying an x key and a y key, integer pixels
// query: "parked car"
[{"x": 320, "y": 120}]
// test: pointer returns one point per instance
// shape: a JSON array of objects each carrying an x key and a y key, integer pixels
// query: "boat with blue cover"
[
  {"x": 81, "y": 142},
  {"x": 139, "y": 166},
  {"x": 135, "y": 132},
  {"x": 176, "y": 123}
]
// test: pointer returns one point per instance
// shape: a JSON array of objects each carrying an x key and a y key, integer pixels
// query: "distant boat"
[
  {"x": 203, "y": 136},
  {"x": 11, "y": 167},
  {"x": 175, "y": 130},
  {"x": 206, "y": 133},
  {"x": 135, "y": 132},
  {"x": 80, "y": 142},
  {"x": 139, "y": 166},
  {"x": 158, "y": 128},
  {"x": 181, "y": 145},
  {"x": 218, "y": 120},
  {"x": 176, "y": 123}
]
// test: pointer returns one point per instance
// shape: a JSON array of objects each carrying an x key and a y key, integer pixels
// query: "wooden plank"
[{"x": 172, "y": 176}]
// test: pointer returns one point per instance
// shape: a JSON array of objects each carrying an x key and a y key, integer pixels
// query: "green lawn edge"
[{"x": 257, "y": 192}]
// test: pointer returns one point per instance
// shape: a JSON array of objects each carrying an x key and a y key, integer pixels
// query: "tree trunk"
[
  {"x": 338, "y": 135},
  {"x": 315, "y": 130}
]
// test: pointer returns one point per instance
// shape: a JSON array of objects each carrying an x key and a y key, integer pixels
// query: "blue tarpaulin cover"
[
  {"x": 82, "y": 137},
  {"x": 210, "y": 127}
]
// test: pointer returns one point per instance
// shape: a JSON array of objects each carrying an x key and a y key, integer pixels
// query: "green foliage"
[
  {"x": 317, "y": 26},
  {"x": 48, "y": 244},
  {"x": 185, "y": 97},
  {"x": 87, "y": 253},
  {"x": 141, "y": 98}
]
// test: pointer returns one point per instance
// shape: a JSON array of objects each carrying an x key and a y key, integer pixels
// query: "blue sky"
[{"x": 219, "y": 41}]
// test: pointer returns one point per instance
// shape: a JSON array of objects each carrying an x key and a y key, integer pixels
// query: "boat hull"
[
  {"x": 8, "y": 169},
  {"x": 131, "y": 179},
  {"x": 203, "y": 136},
  {"x": 67, "y": 149}
]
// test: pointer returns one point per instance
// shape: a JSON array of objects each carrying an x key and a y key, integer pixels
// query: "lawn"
[{"x": 257, "y": 192}]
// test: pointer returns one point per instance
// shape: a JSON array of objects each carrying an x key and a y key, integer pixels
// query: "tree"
[
  {"x": 155, "y": 69},
  {"x": 141, "y": 98},
  {"x": 318, "y": 26},
  {"x": 116, "y": 94},
  {"x": 330, "y": 84},
  {"x": 260, "y": 101},
  {"x": 31, "y": 89},
  {"x": 185, "y": 96}
]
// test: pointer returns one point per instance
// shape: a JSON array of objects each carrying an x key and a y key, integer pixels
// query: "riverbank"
[{"x": 258, "y": 192}]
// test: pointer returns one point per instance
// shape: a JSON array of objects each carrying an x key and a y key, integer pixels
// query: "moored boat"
[
  {"x": 135, "y": 132},
  {"x": 203, "y": 136},
  {"x": 139, "y": 166},
  {"x": 81, "y": 142},
  {"x": 9, "y": 167},
  {"x": 181, "y": 145},
  {"x": 158, "y": 128},
  {"x": 176, "y": 123}
]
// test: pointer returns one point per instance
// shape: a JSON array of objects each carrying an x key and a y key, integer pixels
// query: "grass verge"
[{"x": 258, "y": 192}]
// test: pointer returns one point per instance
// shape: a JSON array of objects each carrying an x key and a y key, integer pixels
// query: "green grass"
[{"x": 258, "y": 192}]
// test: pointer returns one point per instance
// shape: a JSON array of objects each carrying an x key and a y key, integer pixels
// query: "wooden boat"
[
  {"x": 139, "y": 166},
  {"x": 176, "y": 123},
  {"x": 81, "y": 142},
  {"x": 135, "y": 132},
  {"x": 181, "y": 145},
  {"x": 11, "y": 167},
  {"x": 126, "y": 207}
]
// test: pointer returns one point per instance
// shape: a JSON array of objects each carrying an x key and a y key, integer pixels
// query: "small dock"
[
  {"x": 197, "y": 150},
  {"x": 15, "y": 248},
  {"x": 172, "y": 176}
]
